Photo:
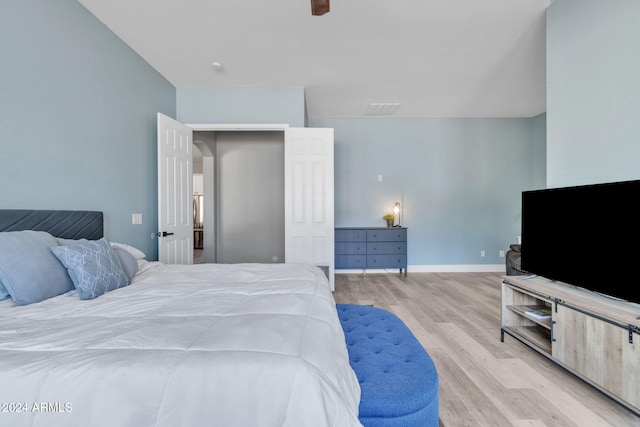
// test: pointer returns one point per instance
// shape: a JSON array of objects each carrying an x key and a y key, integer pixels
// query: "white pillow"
[
  {"x": 144, "y": 265},
  {"x": 137, "y": 253},
  {"x": 127, "y": 261}
]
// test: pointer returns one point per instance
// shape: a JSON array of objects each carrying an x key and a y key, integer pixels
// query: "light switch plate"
[{"x": 136, "y": 218}]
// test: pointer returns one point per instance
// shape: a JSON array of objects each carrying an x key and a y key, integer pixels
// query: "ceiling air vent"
[{"x": 382, "y": 108}]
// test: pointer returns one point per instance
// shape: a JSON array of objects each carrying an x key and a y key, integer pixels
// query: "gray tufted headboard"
[{"x": 64, "y": 224}]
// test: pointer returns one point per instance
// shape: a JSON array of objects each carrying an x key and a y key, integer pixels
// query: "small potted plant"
[{"x": 390, "y": 218}]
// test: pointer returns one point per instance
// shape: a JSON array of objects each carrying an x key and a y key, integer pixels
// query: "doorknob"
[{"x": 164, "y": 234}]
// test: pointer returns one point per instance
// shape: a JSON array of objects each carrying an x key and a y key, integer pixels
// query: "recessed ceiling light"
[
  {"x": 217, "y": 66},
  {"x": 382, "y": 108}
]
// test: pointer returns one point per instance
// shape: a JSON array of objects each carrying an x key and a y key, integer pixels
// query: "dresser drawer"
[
  {"x": 383, "y": 248},
  {"x": 351, "y": 235},
  {"x": 387, "y": 235},
  {"x": 351, "y": 261},
  {"x": 386, "y": 261},
  {"x": 347, "y": 248}
]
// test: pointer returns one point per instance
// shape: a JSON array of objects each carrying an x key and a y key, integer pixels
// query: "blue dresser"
[{"x": 371, "y": 248}]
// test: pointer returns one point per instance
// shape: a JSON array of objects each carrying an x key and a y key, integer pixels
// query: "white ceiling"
[{"x": 437, "y": 58}]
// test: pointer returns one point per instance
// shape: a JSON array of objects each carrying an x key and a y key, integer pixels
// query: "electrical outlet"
[
  {"x": 482, "y": 253},
  {"x": 501, "y": 254},
  {"x": 379, "y": 178}
]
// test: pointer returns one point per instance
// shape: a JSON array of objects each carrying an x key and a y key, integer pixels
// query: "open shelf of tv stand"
[
  {"x": 538, "y": 334},
  {"x": 592, "y": 336},
  {"x": 517, "y": 323}
]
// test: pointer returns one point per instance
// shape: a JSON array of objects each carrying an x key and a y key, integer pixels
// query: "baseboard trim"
[{"x": 458, "y": 268}]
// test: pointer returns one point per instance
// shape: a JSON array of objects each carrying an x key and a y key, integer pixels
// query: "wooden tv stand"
[{"x": 592, "y": 336}]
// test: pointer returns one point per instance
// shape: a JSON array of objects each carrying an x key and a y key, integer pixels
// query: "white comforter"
[{"x": 182, "y": 346}]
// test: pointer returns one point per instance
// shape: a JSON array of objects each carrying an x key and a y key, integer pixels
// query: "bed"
[{"x": 178, "y": 345}]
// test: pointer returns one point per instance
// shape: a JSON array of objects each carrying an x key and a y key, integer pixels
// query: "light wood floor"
[{"x": 483, "y": 382}]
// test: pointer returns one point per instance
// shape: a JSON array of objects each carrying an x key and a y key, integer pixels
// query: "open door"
[
  {"x": 175, "y": 189},
  {"x": 309, "y": 204}
]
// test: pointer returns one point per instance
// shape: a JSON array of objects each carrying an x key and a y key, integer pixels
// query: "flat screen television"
[{"x": 584, "y": 236}]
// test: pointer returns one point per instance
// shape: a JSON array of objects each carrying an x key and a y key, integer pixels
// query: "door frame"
[{"x": 237, "y": 127}]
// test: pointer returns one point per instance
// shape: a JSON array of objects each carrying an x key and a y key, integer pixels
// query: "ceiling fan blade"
[{"x": 319, "y": 7}]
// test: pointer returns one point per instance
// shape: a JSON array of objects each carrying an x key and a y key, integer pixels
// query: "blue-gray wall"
[
  {"x": 539, "y": 154},
  {"x": 78, "y": 118},
  {"x": 241, "y": 105},
  {"x": 459, "y": 182},
  {"x": 593, "y": 91},
  {"x": 78, "y": 131}
]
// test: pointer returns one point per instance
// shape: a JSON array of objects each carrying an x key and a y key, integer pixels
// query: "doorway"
[
  {"x": 243, "y": 196},
  {"x": 202, "y": 157}
]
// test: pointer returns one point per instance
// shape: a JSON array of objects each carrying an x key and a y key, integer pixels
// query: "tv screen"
[{"x": 584, "y": 236}]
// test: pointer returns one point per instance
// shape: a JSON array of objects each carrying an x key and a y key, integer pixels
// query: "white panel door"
[
  {"x": 175, "y": 191},
  {"x": 309, "y": 208}
]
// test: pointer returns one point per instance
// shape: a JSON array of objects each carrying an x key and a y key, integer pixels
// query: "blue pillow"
[
  {"x": 127, "y": 261},
  {"x": 28, "y": 269},
  {"x": 62, "y": 242},
  {"x": 92, "y": 266},
  {"x": 4, "y": 294}
]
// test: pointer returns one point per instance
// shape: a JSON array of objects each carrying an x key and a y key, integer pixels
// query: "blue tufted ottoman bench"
[{"x": 398, "y": 379}]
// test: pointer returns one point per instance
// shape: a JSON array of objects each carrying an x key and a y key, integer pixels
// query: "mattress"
[{"x": 182, "y": 345}]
